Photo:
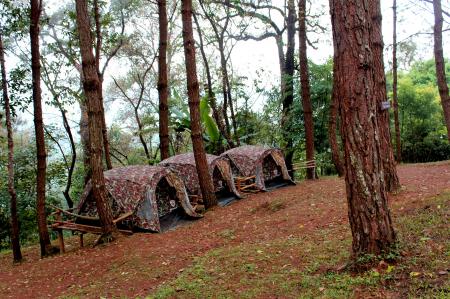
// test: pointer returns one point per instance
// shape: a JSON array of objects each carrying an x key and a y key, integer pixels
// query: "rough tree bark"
[
  {"x": 287, "y": 84},
  {"x": 306, "y": 92},
  {"x": 376, "y": 44},
  {"x": 394, "y": 85},
  {"x": 98, "y": 48},
  {"x": 15, "y": 234},
  {"x": 44, "y": 238},
  {"x": 356, "y": 86},
  {"x": 206, "y": 184},
  {"x": 440, "y": 63},
  {"x": 91, "y": 85},
  {"x": 162, "y": 81}
]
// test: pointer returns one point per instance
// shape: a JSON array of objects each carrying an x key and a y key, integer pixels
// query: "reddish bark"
[
  {"x": 305, "y": 89},
  {"x": 98, "y": 48},
  {"x": 387, "y": 154},
  {"x": 440, "y": 63},
  {"x": 394, "y": 86},
  {"x": 44, "y": 239},
  {"x": 356, "y": 85},
  {"x": 206, "y": 184},
  {"x": 91, "y": 85},
  {"x": 15, "y": 234},
  {"x": 162, "y": 81}
]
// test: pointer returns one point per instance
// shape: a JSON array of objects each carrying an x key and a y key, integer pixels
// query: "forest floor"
[{"x": 288, "y": 243}]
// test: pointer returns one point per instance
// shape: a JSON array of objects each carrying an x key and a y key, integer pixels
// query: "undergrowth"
[{"x": 310, "y": 266}]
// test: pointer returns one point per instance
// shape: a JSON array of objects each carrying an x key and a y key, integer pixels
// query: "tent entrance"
[
  {"x": 166, "y": 198},
  {"x": 273, "y": 176}
]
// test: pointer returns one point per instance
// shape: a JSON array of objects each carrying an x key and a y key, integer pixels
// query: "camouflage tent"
[
  {"x": 149, "y": 192},
  {"x": 184, "y": 166},
  {"x": 266, "y": 164}
]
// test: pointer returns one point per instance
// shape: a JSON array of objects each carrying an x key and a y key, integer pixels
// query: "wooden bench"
[{"x": 59, "y": 225}]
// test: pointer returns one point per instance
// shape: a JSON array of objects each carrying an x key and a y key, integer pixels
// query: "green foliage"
[
  {"x": 25, "y": 183},
  {"x": 423, "y": 133}
]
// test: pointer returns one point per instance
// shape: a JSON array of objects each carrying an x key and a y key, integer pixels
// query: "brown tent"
[
  {"x": 265, "y": 163},
  {"x": 184, "y": 166},
  {"x": 149, "y": 192}
]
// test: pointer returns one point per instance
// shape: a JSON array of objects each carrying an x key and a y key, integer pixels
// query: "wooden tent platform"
[{"x": 59, "y": 226}]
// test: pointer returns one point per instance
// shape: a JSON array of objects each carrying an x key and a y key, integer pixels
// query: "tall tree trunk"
[
  {"x": 332, "y": 132},
  {"x": 206, "y": 184},
  {"x": 440, "y": 63},
  {"x": 287, "y": 91},
  {"x": 162, "y": 81},
  {"x": 356, "y": 86},
  {"x": 218, "y": 115},
  {"x": 98, "y": 48},
  {"x": 398, "y": 144},
  {"x": 91, "y": 85},
  {"x": 44, "y": 238},
  {"x": 15, "y": 234},
  {"x": 387, "y": 153},
  {"x": 306, "y": 92}
]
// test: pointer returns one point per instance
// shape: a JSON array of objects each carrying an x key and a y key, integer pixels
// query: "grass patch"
[{"x": 306, "y": 266}]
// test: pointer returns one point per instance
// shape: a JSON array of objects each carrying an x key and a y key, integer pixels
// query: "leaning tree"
[{"x": 356, "y": 85}]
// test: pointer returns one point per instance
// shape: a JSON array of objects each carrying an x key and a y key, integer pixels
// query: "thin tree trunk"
[
  {"x": 218, "y": 116},
  {"x": 206, "y": 184},
  {"x": 141, "y": 136},
  {"x": 306, "y": 92},
  {"x": 440, "y": 63},
  {"x": 387, "y": 154},
  {"x": 73, "y": 149},
  {"x": 44, "y": 238},
  {"x": 15, "y": 233},
  {"x": 287, "y": 91},
  {"x": 356, "y": 86},
  {"x": 98, "y": 48},
  {"x": 91, "y": 87},
  {"x": 394, "y": 86},
  {"x": 162, "y": 81}
]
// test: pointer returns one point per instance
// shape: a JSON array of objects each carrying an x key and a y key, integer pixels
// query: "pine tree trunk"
[
  {"x": 394, "y": 86},
  {"x": 306, "y": 93},
  {"x": 91, "y": 85},
  {"x": 356, "y": 86},
  {"x": 387, "y": 154},
  {"x": 98, "y": 48},
  {"x": 44, "y": 238},
  {"x": 206, "y": 184},
  {"x": 332, "y": 132},
  {"x": 15, "y": 234},
  {"x": 162, "y": 81},
  {"x": 440, "y": 63},
  {"x": 287, "y": 92}
]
